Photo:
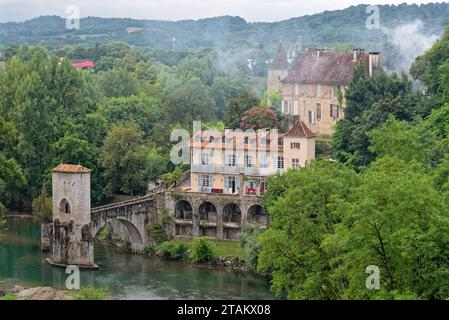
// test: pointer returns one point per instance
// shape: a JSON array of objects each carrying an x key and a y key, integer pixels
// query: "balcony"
[{"x": 211, "y": 169}]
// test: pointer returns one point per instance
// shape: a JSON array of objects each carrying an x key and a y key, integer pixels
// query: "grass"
[
  {"x": 8, "y": 297},
  {"x": 91, "y": 294},
  {"x": 227, "y": 249}
]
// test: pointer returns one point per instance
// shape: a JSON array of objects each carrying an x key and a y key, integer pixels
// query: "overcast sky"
[{"x": 251, "y": 10}]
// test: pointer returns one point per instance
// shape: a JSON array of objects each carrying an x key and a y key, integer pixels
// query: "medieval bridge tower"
[{"x": 71, "y": 242}]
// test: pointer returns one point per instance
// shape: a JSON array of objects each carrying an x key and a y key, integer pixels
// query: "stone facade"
[{"x": 71, "y": 242}]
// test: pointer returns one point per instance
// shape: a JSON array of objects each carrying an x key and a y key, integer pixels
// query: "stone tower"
[
  {"x": 71, "y": 241},
  {"x": 278, "y": 70}
]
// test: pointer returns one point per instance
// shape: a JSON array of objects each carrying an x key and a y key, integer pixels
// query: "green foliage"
[
  {"x": 157, "y": 232},
  {"x": 117, "y": 83},
  {"x": 202, "y": 250},
  {"x": 123, "y": 156},
  {"x": 248, "y": 240},
  {"x": 259, "y": 118},
  {"x": 370, "y": 102},
  {"x": 42, "y": 207},
  {"x": 175, "y": 250},
  {"x": 8, "y": 297},
  {"x": 329, "y": 223},
  {"x": 150, "y": 250},
  {"x": 237, "y": 107},
  {"x": 90, "y": 293},
  {"x": 188, "y": 102},
  {"x": 172, "y": 177}
]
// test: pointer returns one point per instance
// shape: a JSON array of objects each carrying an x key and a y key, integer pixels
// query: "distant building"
[
  {"x": 313, "y": 90},
  {"x": 238, "y": 163},
  {"x": 84, "y": 64}
]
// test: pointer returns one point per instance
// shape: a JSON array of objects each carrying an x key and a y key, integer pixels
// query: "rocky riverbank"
[{"x": 39, "y": 293}]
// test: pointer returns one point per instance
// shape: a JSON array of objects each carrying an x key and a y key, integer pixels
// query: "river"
[{"x": 126, "y": 276}]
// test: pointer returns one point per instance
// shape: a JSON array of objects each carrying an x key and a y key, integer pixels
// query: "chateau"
[{"x": 313, "y": 89}]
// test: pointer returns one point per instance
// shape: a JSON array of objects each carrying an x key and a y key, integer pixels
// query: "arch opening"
[
  {"x": 232, "y": 213},
  {"x": 183, "y": 210},
  {"x": 208, "y": 212},
  {"x": 258, "y": 214},
  {"x": 64, "y": 207}
]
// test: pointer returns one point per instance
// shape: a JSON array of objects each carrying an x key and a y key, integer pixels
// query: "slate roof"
[
  {"x": 327, "y": 68},
  {"x": 280, "y": 60}
]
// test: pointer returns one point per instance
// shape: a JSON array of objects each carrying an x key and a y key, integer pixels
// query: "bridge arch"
[{"x": 124, "y": 227}]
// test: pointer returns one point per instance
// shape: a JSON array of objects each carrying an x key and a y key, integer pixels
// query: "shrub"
[
  {"x": 150, "y": 250},
  {"x": 173, "y": 250},
  {"x": 157, "y": 232},
  {"x": 202, "y": 250},
  {"x": 248, "y": 240},
  {"x": 91, "y": 294},
  {"x": 8, "y": 296}
]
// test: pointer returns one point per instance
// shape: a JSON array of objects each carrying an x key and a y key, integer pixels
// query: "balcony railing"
[{"x": 211, "y": 169}]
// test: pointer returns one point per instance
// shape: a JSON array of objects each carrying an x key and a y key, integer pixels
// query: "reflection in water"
[{"x": 126, "y": 276}]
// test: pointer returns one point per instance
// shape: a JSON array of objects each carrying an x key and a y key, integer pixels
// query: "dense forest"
[{"x": 238, "y": 40}]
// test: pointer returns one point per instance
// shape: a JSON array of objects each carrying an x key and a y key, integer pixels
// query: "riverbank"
[{"x": 38, "y": 293}]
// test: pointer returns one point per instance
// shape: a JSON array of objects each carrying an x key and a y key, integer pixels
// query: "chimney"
[{"x": 374, "y": 62}]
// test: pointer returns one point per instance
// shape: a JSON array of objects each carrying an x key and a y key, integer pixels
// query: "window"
[
  {"x": 280, "y": 162},
  {"x": 295, "y": 164},
  {"x": 205, "y": 159},
  {"x": 264, "y": 162},
  {"x": 296, "y": 90},
  {"x": 311, "y": 117},
  {"x": 335, "y": 90},
  {"x": 206, "y": 182},
  {"x": 318, "y": 111},
  {"x": 280, "y": 142},
  {"x": 295, "y": 145},
  {"x": 248, "y": 161},
  {"x": 334, "y": 111},
  {"x": 64, "y": 206},
  {"x": 230, "y": 160},
  {"x": 318, "y": 90},
  {"x": 232, "y": 184}
]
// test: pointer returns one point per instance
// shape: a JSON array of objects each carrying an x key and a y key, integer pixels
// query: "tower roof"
[
  {"x": 280, "y": 60},
  {"x": 299, "y": 129},
  {"x": 71, "y": 168}
]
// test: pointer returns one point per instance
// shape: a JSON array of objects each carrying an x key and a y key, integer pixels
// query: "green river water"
[{"x": 126, "y": 276}]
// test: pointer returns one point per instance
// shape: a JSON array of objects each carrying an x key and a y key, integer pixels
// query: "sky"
[{"x": 250, "y": 10}]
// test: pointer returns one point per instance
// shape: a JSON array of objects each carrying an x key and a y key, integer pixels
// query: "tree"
[
  {"x": 188, "y": 102},
  {"x": 117, "y": 83},
  {"x": 259, "y": 118},
  {"x": 42, "y": 207},
  {"x": 301, "y": 205},
  {"x": 397, "y": 221},
  {"x": 237, "y": 107},
  {"x": 157, "y": 164},
  {"x": 123, "y": 157},
  {"x": 370, "y": 101}
]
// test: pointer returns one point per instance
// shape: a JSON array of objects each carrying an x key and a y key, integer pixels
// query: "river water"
[{"x": 126, "y": 276}]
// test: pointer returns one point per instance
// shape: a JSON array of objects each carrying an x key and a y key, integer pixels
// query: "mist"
[{"x": 406, "y": 42}]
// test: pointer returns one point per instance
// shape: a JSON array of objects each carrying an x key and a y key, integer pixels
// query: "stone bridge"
[{"x": 127, "y": 220}]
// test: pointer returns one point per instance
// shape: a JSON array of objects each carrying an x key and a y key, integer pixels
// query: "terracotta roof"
[
  {"x": 71, "y": 168},
  {"x": 318, "y": 66},
  {"x": 300, "y": 129},
  {"x": 280, "y": 60}
]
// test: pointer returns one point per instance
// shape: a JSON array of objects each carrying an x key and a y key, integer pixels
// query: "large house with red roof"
[{"x": 313, "y": 89}]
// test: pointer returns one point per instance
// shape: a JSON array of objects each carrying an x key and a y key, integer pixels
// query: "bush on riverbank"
[
  {"x": 173, "y": 250},
  {"x": 202, "y": 250},
  {"x": 91, "y": 294},
  {"x": 8, "y": 297}
]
